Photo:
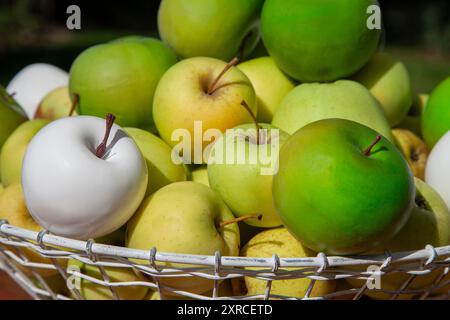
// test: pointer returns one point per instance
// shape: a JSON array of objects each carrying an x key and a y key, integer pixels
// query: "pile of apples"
[{"x": 93, "y": 153}]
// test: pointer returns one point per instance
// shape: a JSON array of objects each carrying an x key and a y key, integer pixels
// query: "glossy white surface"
[
  {"x": 71, "y": 192},
  {"x": 437, "y": 172},
  {"x": 34, "y": 82}
]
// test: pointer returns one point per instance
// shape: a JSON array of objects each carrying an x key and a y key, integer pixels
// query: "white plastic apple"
[
  {"x": 78, "y": 185},
  {"x": 32, "y": 84},
  {"x": 437, "y": 171}
]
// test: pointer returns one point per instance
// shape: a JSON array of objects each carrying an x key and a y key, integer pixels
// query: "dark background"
[{"x": 418, "y": 32}]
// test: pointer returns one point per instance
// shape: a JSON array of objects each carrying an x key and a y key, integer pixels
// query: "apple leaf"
[{"x": 9, "y": 101}]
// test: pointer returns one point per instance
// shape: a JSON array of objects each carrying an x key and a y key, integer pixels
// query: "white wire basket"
[{"x": 152, "y": 266}]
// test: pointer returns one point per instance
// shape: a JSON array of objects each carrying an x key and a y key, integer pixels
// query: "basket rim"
[{"x": 428, "y": 254}]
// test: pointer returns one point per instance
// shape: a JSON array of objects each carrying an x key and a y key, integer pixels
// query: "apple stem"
[
  {"x": 255, "y": 121},
  {"x": 75, "y": 101},
  {"x": 243, "y": 218},
  {"x": 101, "y": 149},
  {"x": 368, "y": 151},
  {"x": 212, "y": 87}
]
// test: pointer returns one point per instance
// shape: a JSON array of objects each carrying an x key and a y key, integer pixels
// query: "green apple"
[
  {"x": 342, "y": 188},
  {"x": 279, "y": 241},
  {"x": 1, "y": 188},
  {"x": 241, "y": 170},
  {"x": 388, "y": 80},
  {"x": 342, "y": 99},
  {"x": 56, "y": 104},
  {"x": 197, "y": 95},
  {"x": 120, "y": 77},
  {"x": 318, "y": 41},
  {"x": 436, "y": 116},
  {"x": 14, "y": 149},
  {"x": 412, "y": 121},
  {"x": 158, "y": 156},
  {"x": 184, "y": 217},
  {"x": 220, "y": 29},
  {"x": 270, "y": 83},
  {"x": 429, "y": 224},
  {"x": 11, "y": 115},
  {"x": 13, "y": 209},
  {"x": 200, "y": 175},
  {"x": 93, "y": 291}
]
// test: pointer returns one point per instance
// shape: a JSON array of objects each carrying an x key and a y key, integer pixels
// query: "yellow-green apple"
[
  {"x": 279, "y": 241},
  {"x": 342, "y": 188},
  {"x": 198, "y": 99},
  {"x": 436, "y": 116},
  {"x": 33, "y": 83},
  {"x": 13, "y": 151},
  {"x": 413, "y": 149},
  {"x": 270, "y": 83},
  {"x": 93, "y": 291},
  {"x": 319, "y": 41},
  {"x": 1, "y": 188},
  {"x": 184, "y": 217},
  {"x": 11, "y": 115},
  {"x": 76, "y": 186},
  {"x": 437, "y": 170},
  {"x": 220, "y": 29},
  {"x": 388, "y": 80},
  {"x": 158, "y": 156},
  {"x": 241, "y": 170},
  {"x": 412, "y": 120},
  {"x": 200, "y": 175},
  {"x": 56, "y": 104},
  {"x": 120, "y": 77},
  {"x": 342, "y": 99},
  {"x": 429, "y": 224},
  {"x": 14, "y": 210}
]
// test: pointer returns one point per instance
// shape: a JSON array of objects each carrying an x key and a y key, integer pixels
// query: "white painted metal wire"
[{"x": 15, "y": 241}]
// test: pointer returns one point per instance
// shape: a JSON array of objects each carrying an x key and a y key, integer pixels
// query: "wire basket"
[{"x": 428, "y": 267}]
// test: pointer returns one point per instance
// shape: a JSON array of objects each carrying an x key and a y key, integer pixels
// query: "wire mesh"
[{"x": 45, "y": 266}]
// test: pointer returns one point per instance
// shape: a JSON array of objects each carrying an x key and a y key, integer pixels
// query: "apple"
[
  {"x": 279, "y": 241},
  {"x": 80, "y": 181},
  {"x": 13, "y": 151},
  {"x": 437, "y": 170},
  {"x": 436, "y": 116},
  {"x": 120, "y": 77},
  {"x": 33, "y": 83},
  {"x": 412, "y": 121},
  {"x": 270, "y": 83},
  {"x": 244, "y": 178},
  {"x": 429, "y": 224},
  {"x": 342, "y": 99},
  {"x": 202, "y": 91},
  {"x": 200, "y": 175},
  {"x": 388, "y": 80},
  {"x": 55, "y": 105},
  {"x": 318, "y": 41},
  {"x": 342, "y": 188},
  {"x": 1, "y": 188},
  {"x": 188, "y": 218},
  {"x": 413, "y": 149},
  {"x": 14, "y": 210},
  {"x": 220, "y": 29},
  {"x": 158, "y": 156},
  {"x": 93, "y": 291},
  {"x": 11, "y": 115}
]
